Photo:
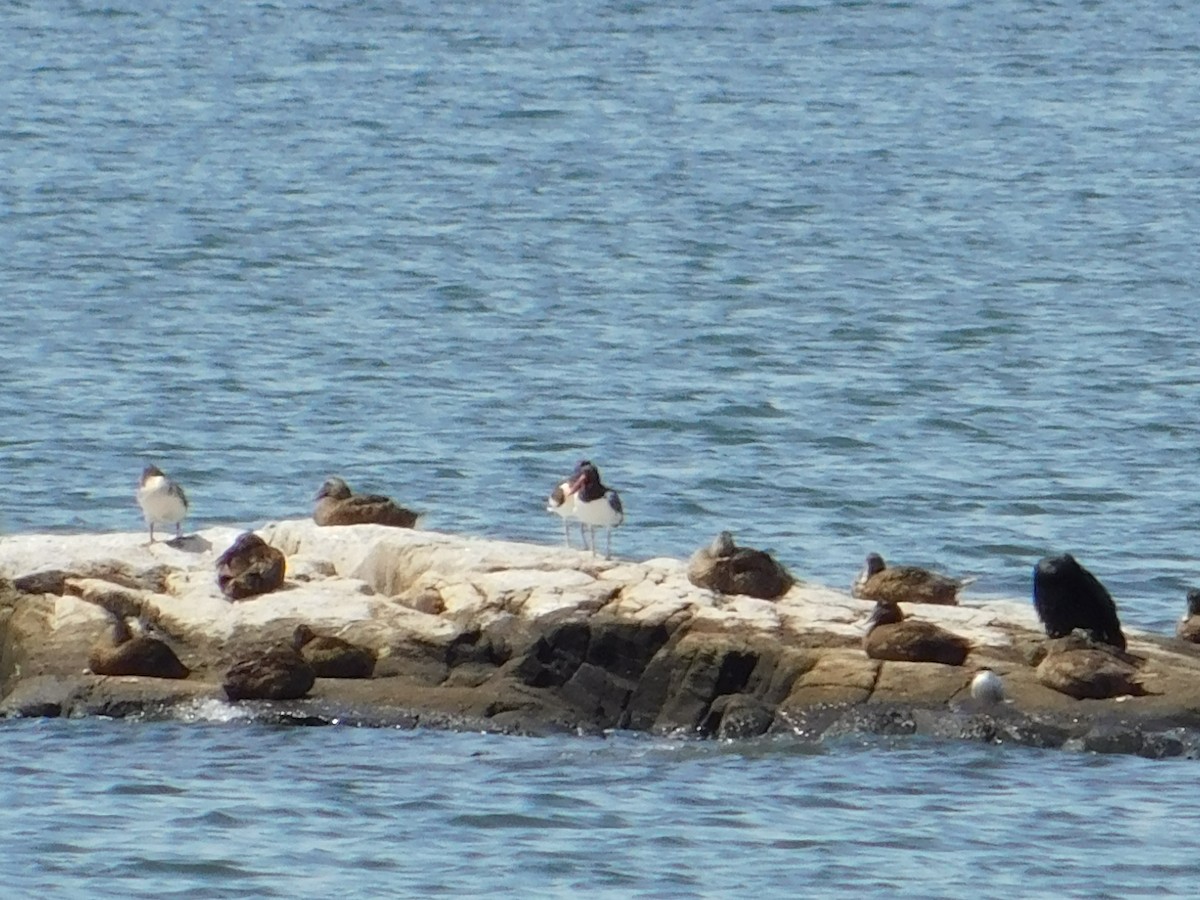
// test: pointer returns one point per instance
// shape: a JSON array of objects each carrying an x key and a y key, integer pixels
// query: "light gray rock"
[{"x": 519, "y": 636}]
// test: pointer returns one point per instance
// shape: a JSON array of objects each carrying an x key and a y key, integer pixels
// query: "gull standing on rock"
[
  {"x": 595, "y": 504},
  {"x": 162, "y": 500}
]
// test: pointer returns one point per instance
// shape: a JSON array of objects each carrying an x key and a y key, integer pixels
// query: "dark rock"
[
  {"x": 698, "y": 678},
  {"x": 872, "y": 719},
  {"x": 555, "y": 656},
  {"x": 1112, "y": 737},
  {"x": 594, "y": 665},
  {"x": 52, "y": 581},
  {"x": 476, "y": 647},
  {"x": 981, "y": 728},
  {"x": 735, "y": 716},
  {"x": 1161, "y": 746},
  {"x": 1032, "y": 732}
]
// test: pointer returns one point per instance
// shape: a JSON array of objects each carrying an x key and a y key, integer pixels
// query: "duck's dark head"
[
  {"x": 1193, "y": 601},
  {"x": 722, "y": 545},
  {"x": 887, "y": 612},
  {"x": 1061, "y": 566},
  {"x": 119, "y": 631},
  {"x": 149, "y": 472},
  {"x": 245, "y": 543},
  {"x": 302, "y": 635},
  {"x": 333, "y": 487},
  {"x": 874, "y": 565}
]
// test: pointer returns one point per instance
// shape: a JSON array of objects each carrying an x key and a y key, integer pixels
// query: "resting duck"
[
  {"x": 726, "y": 568},
  {"x": 1088, "y": 669},
  {"x": 333, "y": 657},
  {"x": 120, "y": 653},
  {"x": 279, "y": 673},
  {"x": 1189, "y": 626},
  {"x": 891, "y": 636},
  {"x": 596, "y": 506},
  {"x": 337, "y": 505},
  {"x": 1067, "y": 596},
  {"x": 162, "y": 500},
  {"x": 250, "y": 567},
  {"x": 905, "y": 584}
]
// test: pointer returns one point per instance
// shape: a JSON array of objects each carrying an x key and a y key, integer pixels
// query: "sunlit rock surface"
[{"x": 523, "y": 637}]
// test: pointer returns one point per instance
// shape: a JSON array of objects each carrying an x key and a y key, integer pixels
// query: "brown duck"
[
  {"x": 337, "y": 505},
  {"x": 120, "y": 653},
  {"x": 891, "y": 636},
  {"x": 1089, "y": 670},
  {"x": 333, "y": 657},
  {"x": 1189, "y": 626},
  {"x": 279, "y": 673},
  {"x": 905, "y": 584},
  {"x": 250, "y": 567},
  {"x": 729, "y": 569}
]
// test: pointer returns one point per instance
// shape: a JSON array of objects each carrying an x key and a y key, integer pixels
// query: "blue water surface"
[{"x": 222, "y": 810}]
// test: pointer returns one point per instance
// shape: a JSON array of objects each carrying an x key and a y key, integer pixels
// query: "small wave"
[
  {"x": 211, "y": 711},
  {"x": 137, "y": 789}
]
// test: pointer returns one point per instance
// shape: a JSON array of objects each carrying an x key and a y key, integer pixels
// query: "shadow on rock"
[{"x": 190, "y": 543}]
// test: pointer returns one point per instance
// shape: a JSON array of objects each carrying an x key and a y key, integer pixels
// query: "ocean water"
[
  {"x": 915, "y": 277},
  {"x": 105, "y": 808}
]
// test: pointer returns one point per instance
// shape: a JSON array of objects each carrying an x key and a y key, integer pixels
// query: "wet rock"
[
  {"x": 596, "y": 665},
  {"x": 735, "y": 716},
  {"x": 874, "y": 720},
  {"x": 682, "y": 688}
]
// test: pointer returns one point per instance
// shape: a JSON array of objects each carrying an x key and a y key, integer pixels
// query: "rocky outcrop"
[{"x": 520, "y": 637}]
